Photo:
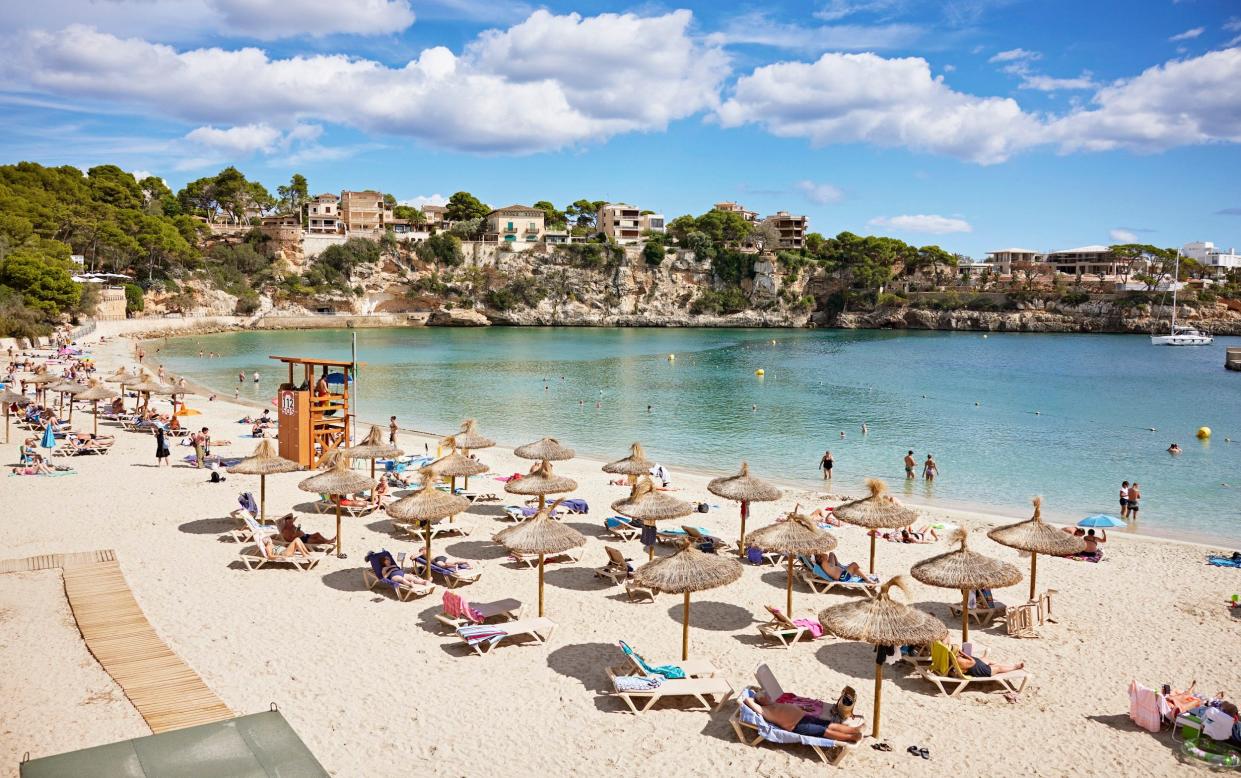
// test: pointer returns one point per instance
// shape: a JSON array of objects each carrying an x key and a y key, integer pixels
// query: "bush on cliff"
[{"x": 720, "y": 302}]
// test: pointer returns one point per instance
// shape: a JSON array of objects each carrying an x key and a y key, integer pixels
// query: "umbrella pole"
[
  {"x": 542, "y": 504},
  {"x": 427, "y": 550},
  {"x": 741, "y": 543},
  {"x": 540, "y": 585},
  {"x": 372, "y": 469},
  {"x": 685, "y": 629},
  {"x": 878, "y": 697},
  {"x": 872, "y": 551},
  {"x": 650, "y": 551},
  {"x": 466, "y": 484},
  {"x": 6, "y": 423},
  {"x": 94, "y": 412},
  {"x": 263, "y": 500},
  {"x": 338, "y": 554},
  {"x": 1033, "y": 575},
  {"x": 789, "y": 587},
  {"x": 965, "y": 615}
]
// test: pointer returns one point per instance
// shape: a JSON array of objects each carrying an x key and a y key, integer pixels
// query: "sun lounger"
[
  {"x": 622, "y": 528},
  {"x": 945, "y": 673},
  {"x": 256, "y": 556},
  {"x": 617, "y": 569},
  {"x": 700, "y": 538},
  {"x": 515, "y": 513},
  {"x": 673, "y": 535},
  {"x": 688, "y": 668},
  {"x": 484, "y": 637},
  {"x": 452, "y": 577},
  {"x": 458, "y": 612},
  {"x": 784, "y": 630},
  {"x": 353, "y": 508},
  {"x": 653, "y": 690},
  {"x": 752, "y": 729},
  {"x": 404, "y": 589},
  {"x": 768, "y": 557},
  {"x": 439, "y": 528},
  {"x": 821, "y": 583},
  {"x": 983, "y": 608},
  {"x": 531, "y": 561}
]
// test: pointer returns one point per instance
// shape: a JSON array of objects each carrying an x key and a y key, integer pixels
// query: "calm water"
[{"x": 969, "y": 400}]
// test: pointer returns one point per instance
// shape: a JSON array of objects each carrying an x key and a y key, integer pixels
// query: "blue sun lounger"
[{"x": 821, "y": 583}]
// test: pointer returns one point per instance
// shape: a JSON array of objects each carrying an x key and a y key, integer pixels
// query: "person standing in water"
[
  {"x": 256, "y": 376},
  {"x": 910, "y": 464},
  {"x": 929, "y": 468},
  {"x": 826, "y": 464},
  {"x": 1124, "y": 499},
  {"x": 1135, "y": 497},
  {"x": 392, "y": 430}
]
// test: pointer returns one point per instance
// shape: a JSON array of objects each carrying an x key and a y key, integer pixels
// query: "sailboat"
[{"x": 1180, "y": 334}]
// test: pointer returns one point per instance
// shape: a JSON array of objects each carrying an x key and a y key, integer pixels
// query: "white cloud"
[
  {"x": 242, "y": 140},
  {"x": 1188, "y": 35},
  {"x": 852, "y": 98},
  {"x": 549, "y": 82},
  {"x": 421, "y": 200},
  {"x": 757, "y": 28},
  {"x": 1233, "y": 24},
  {"x": 839, "y": 9},
  {"x": 141, "y": 174},
  {"x": 931, "y": 224},
  {"x": 1052, "y": 84},
  {"x": 1015, "y": 55},
  {"x": 820, "y": 194},
  {"x": 1122, "y": 236}
]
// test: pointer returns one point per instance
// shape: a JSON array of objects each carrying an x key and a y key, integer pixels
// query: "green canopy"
[{"x": 262, "y": 745}]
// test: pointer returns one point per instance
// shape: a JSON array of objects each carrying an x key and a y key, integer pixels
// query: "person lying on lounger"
[
  {"x": 838, "y": 572},
  {"x": 825, "y": 516},
  {"x": 389, "y": 570},
  {"x": 450, "y": 564},
  {"x": 976, "y": 668},
  {"x": 295, "y": 547},
  {"x": 290, "y": 531},
  {"x": 793, "y": 719}
]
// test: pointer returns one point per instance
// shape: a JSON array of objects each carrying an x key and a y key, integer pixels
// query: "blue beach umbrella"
[
  {"x": 49, "y": 440},
  {"x": 1101, "y": 520}
]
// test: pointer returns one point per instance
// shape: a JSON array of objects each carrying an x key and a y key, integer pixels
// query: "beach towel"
[
  {"x": 246, "y": 499},
  {"x": 575, "y": 505},
  {"x": 667, "y": 671},
  {"x": 1144, "y": 706},
  {"x": 770, "y": 732},
  {"x": 1224, "y": 561},
  {"x": 810, "y": 625},
  {"x": 457, "y": 607},
  {"x": 941, "y": 659},
  {"x": 811, "y": 706},
  {"x": 481, "y": 633},
  {"x": 637, "y": 683}
]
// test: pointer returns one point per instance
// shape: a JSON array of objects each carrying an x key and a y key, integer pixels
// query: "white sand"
[{"x": 371, "y": 685}]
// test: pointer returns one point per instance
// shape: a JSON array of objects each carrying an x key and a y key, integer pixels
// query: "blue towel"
[
  {"x": 575, "y": 505},
  {"x": 1223, "y": 561},
  {"x": 247, "y": 502},
  {"x": 664, "y": 671}
]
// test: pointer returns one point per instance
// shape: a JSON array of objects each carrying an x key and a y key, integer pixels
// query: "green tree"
[
  {"x": 408, "y": 212},
  {"x": 134, "y": 300},
  {"x": 463, "y": 206},
  {"x": 293, "y": 196},
  {"x": 551, "y": 215},
  {"x": 443, "y": 248},
  {"x": 653, "y": 251},
  {"x": 583, "y": 212},
  {"x": 41, "y": 275}
]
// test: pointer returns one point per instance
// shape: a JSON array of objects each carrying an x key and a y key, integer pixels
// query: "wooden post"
[
  {"x": 540, "y": 585},
  {"x": 744, "y": 511},
  {"x": 263, "y": 501},
  {"x": 427, "y": 549},
  {"x": 965, "y": 615},
  {"x": 542, "y": 502},
  {"x": 872, "y": 551},
  {"x": 338, "y": 554},
  {"x": 789, "y": 586},
  {"x": 878, "y": 697},
  {"x": 94, "y": 412},
  {"x": 650, "y": 550},
  {"x": 685, "y": 629},
  {"x": 466, "y": 485},
  {"x": 1033, "y": 575},
  {"x": 6, "y": 423}
]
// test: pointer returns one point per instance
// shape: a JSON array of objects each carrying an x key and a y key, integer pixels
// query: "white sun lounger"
[
  {"x": 701, "y": 689},
  {"x": 538, "y": 629}
]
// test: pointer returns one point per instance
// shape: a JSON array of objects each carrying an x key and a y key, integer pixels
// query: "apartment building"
[
  {"x": 364, "y": 213},
  {"x": 792, "y": 229},
  {"x": 624, "y": 223},
  {"x": 520, "y": 226},
  {"x": 1098, "y": 261},
  {"x": 1215, "y": 261},
  {"x": 731, "y": 207},
  {"x": 1002, "y": 260},
  {"x": 435, "y": 215},
  {"x": 323, "y": 215}
]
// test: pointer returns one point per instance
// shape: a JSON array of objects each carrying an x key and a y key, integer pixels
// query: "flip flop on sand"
[{"x": 881, "y": 747}]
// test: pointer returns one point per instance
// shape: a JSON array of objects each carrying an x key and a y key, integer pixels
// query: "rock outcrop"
[{"x": 457, "y": 317}]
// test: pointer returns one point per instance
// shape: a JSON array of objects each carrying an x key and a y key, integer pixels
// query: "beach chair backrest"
[
  {"x": 780, "y": 616},
  {"x": 941, "y": 658},
  {"x": 693, "y": 532},
  {"x": 616, "y": 557},
  {"x": 246, "y": 499},
  {"x": 767, "y": 681},
  {"x": 259, "y": 536}
]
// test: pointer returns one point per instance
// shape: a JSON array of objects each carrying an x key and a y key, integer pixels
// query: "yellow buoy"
[
  {"x": 760, "y": 372},
  {"x": 1204, "y": 433}
]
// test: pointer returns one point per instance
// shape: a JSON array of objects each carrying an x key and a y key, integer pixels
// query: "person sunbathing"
[
  {"x": 290, "y": 531},
  {"x": 976, "y": 668},
  {"x": 295, "y": 547},
  {"x": 449, "y": 564},
  {"x": 793, "y": 719},
  {"x": 380, "y": 492},
  {"x": 389, "y": 570},
  {"x": 825, "y": 516},
  {"x": 37, "y": 467},
  {"x": 844, "y": 573}
]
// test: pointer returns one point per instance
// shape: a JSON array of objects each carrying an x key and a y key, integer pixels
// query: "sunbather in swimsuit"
[
  {"x": 391, "y": 571},
  {"x": 295, "y": 548},
  {"x": 976, "y": 668},
  {"x": 289, "y": 531},
  {"x": 791, "y": 718},
  {"x": 444, "y": 562},
  {"x": 851, "y": 573}
]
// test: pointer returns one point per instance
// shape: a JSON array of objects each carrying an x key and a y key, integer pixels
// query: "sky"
[{"x": 971, "y": 124}]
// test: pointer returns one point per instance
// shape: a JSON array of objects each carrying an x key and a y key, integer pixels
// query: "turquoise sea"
[{"x": 1006, "y": 416}]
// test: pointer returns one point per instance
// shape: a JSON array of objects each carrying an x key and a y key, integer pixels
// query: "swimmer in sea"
[{"x": 1174, "y": 449}]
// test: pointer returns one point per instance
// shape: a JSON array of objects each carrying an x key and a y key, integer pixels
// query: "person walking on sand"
[
  {"x": 929, "y": 468},
  {"x": 392, "y": 430},
  {"x": 161, "y": 449},
  {"x": 1124, "y": 499},
  {"x": 910, "y": 464},
  {"x": 200, "y": 441},
  {"x": 826, "y": 464}
]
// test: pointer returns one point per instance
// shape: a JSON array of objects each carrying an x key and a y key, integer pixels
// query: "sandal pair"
[{"x": 916, "y": 751}]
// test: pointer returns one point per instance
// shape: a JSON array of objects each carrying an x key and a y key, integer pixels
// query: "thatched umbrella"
[
  {"x": 9, "y": 397},
  {"x": 122, "y": 377},
  {"x": 879, "y": 510},
  {"x": 541, "y": 535},
  {"x": 265, "y": 461},
  {"x": 795, "y": 536},
  {"x": 426, "y": 505},
  {"x": 688, "y": 570},
  {"x": 467, "y": 439},
  {"x": 745, "y": 489},
  {"x": 965, "y": 570},
  {"x": 634, "y": 465},
  {"x": 338, "y": 480},
  {"x": 647, "y": 505},
  {"x": 373, "y": 447},
  {"x": 93, "y": 394},
  {"x": 147, "y": 385},
  {"x": 455, "y": 464},
  {"x": 41, "y": 380},
  {"x": 67, "y": 387},
  {"x": 546, "y": 448},
  {"x": 1038, "y": 538},
  {"x": 882, "y": 621},
  {"x": 541, "y": 481}
]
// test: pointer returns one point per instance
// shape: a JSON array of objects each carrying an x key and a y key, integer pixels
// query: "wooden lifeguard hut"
[{"x": 314, "y": 413}]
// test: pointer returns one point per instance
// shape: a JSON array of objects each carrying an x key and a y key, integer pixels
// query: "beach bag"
[
  {"x": 702, "y": 507},
  {"x": 216, "y": 477},
  {"x": 754, "y": 554}
]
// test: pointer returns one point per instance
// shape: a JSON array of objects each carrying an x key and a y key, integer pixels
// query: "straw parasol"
[
  {"x": 373, "y": 447},
  {"x": 41, "y": 380},
  {"x": 879, "y": 510},
  {"x": 688, "y": 570},
  {"x": 148, "y": 386},
  {"x": 1038, "y": 538},
  {"x": 634, "y": 465},
  {"x": 263, "y": 462},
  {"x": 745, "y": 489},
  {"x": 427, "y": 505},
  {"x": 546, "y": 448},
  {"x": 67, "y": 387},
  {"x": 93, "y": 394},
  {"x": 468, "y": 438},
  {"x": 337, "y": 480},
  {"x": 540, "y": 535},
  {"x": 541, "y": 481},
  {"x": 795, "y": 536},
  {"x": 455, "y": 464},
  {"x": 965, "y": 570},
  {"x": 9, "y": 397},
  {"x": 883, "y": 622},
  {"x": 120, "y": 376},
  {"x": 647, "y": 505}
]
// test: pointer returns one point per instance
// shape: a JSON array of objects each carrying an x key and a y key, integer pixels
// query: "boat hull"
[{"x": 1181, "y": 340}]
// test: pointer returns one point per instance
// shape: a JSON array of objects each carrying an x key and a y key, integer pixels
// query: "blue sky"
[{"x": 974, "y": 124}]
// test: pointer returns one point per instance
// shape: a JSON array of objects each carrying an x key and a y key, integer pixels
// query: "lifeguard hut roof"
[{"x": 316, "y": 362}]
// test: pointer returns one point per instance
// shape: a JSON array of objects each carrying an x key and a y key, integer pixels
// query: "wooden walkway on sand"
[{"x": 164, "y": 690}]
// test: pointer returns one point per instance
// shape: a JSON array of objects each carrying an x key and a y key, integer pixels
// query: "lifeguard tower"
[{"x": 314, "y": 414}]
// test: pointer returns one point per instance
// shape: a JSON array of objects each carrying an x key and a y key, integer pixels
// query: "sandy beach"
[{"x": 372, "y": 684}]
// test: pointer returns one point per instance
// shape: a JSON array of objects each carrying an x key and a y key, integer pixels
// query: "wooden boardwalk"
[{"x": 164, "y": 690}]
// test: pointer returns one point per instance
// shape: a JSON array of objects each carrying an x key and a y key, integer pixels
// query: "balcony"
[{"x": 509, "y": 230}]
